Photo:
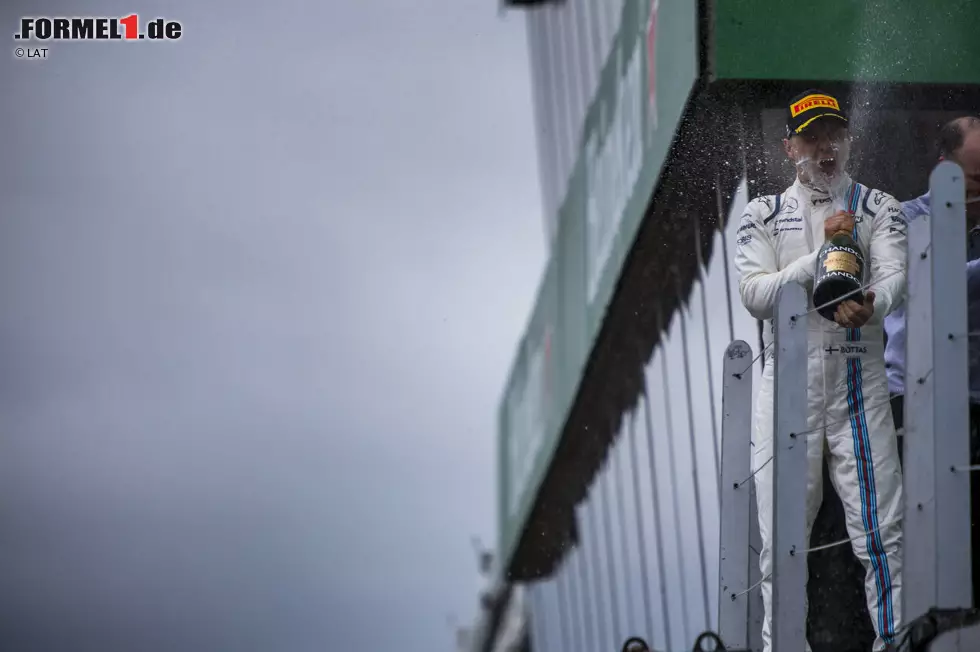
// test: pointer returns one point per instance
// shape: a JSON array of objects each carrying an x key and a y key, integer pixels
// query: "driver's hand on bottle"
[
  {"x": 851, "y": 314},
  {"x": 839, "y": 221}
]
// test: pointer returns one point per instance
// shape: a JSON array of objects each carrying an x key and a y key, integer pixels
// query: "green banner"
[
  {"x": 901, "y": 41},
  {"x": 645, "y": 83},
  {"x": 526, "y": 413}
]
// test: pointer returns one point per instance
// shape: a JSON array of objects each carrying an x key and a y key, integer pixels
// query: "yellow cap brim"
[{"x": 817, "y": 117}]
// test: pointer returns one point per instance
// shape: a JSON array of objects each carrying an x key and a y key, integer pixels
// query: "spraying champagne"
[{"x": 840, "y": 269}]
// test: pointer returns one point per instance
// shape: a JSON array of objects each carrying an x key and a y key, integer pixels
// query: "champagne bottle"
[{"x": 839, "y": 274}]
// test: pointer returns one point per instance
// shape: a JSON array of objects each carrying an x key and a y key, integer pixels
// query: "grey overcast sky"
[{"x": 261, "y": 288}]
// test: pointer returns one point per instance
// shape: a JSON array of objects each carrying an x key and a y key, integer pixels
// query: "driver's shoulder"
[
  {"x": 763, "y": 208},
  {"x": 872, "y": 201}
]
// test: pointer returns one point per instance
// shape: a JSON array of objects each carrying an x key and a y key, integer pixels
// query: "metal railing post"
[
  {"x": 790, "y": 467},
  {"x": 919, "y": 524},
  {"x": 937, "y": 565},
  {"x": 757, "y": 608},
  {"x": 736, "y": 496}
]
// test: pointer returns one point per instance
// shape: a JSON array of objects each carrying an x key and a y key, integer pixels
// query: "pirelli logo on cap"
[{"x": 811, "y": 101}]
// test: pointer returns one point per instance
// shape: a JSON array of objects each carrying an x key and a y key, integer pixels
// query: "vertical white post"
[
  {"x": 757, "y": 608},
  {"x": 937, "y": 565},
  {"x": 789, "y": 542},
  {"x": 736, "y": 496},
  {"x": 950, "y": 357},
  {"x": 919, "y": 479},
  {"x": 936, "y": 400}
]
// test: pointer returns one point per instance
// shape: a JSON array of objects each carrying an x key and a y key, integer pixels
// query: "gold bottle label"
[{"x": 842, "y": 261}]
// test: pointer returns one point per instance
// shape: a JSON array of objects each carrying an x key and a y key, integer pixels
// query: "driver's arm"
[
  {"x": 889, "y": 244},
  {"x": 759, "y": 276}
]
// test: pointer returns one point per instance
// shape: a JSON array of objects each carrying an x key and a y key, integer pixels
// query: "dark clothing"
[{"x": 898, "y": 413}]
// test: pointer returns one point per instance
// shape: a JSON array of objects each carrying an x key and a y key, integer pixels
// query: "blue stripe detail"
[
  {"x": 869, "y": 498},
  {"x": 887, "y": 607},
  {"x": 864, "y": 204},
  {"x": 775, "y": 212},
  {"x": 854, "y": 196}
]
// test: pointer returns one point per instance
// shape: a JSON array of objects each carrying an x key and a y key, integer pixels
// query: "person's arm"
[
  {"x": 888, "y": 258},
  {"x": 759, "y": 276}
]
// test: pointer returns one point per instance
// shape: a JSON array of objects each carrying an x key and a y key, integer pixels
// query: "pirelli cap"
[{"x": 809, "y": 106}]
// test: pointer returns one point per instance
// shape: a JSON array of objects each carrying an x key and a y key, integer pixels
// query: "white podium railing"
[
  {"x": 736, "y": 561},
  {"x": 789, "y": 443},
  {"x": 937, "y": 562},
  {"x": 740, "y": 608}
]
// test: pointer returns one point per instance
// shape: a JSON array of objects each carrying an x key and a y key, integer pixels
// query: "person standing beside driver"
[
  {"x": 959, "y": 142},
  {"x": 847, "y": 394}
]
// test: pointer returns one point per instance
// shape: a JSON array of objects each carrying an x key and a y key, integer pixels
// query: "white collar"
[{"x": 809, "y": 190}]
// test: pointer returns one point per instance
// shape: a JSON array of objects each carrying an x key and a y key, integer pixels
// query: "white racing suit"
[{"x": 849, "y": 413}]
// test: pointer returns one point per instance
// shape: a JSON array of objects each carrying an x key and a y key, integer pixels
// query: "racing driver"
[{"x": 848, "y": 404}]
